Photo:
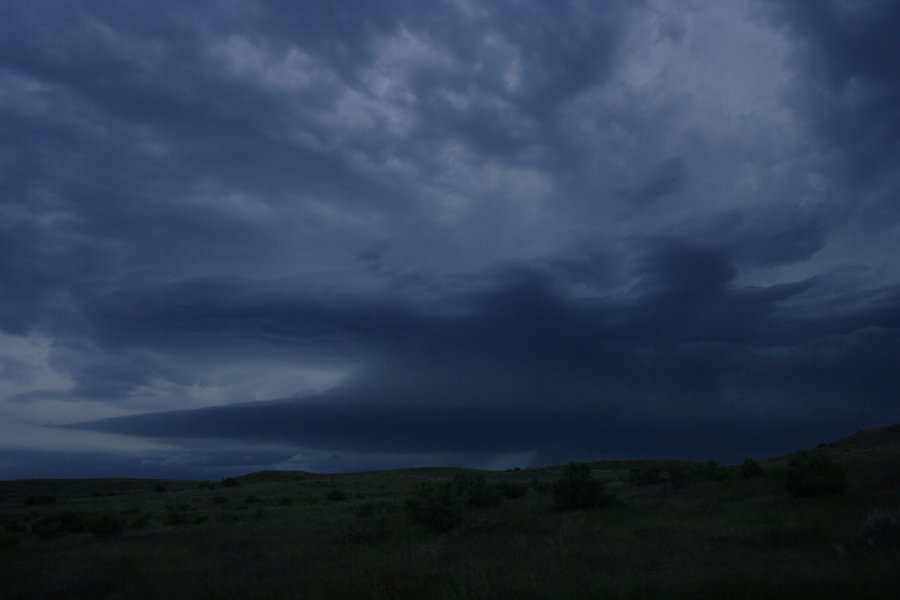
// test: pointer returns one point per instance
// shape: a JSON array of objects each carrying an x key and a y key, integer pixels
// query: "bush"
[
  {"x": 370, "y": 508},
  {"x": 750, "y": 469},
  {"x": 176, "y": 516},
  {"x": 577, "y": 490},
  {"x": 230, "y": 482},
  {"x": 55, "y": 525},
  {"x": 368, "y": 530},
  {"x": 713, "y": 471},
  {"x": 646, "y": 476},
  {"x": 141, "y": 521},
  {"x": 437, "y": 506},
  {"x": 474, "y": 490},
  {"x": 336, "y": 494},
  {"x": 882, "y": 526},
  {"x": 441, "y": 506},
  {"x": 40, "y": 500},
  {"x": 538, "y": 486},
  {"x": 107, "y": 525},
  {"x": 512, "y": 489},
  {"x": 814, "y": 475}
]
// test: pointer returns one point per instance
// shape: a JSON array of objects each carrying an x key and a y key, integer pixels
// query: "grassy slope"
[{"x": 275, "y": 535}]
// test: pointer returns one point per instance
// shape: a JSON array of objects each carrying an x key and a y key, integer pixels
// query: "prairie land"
[{"x": 662, "y": 529}]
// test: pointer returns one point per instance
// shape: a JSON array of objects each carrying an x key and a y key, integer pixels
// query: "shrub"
[
  {"x": 679, "y": 476},
  {"x": 576, "y": 489},
  {"x": 176, "y": 516},
  {"x": 368, "y": 530},
  {"x": 713, "y": 471},
  {"x": 512, "y": 489},
  {"x": 369, "y": 508},
  {"x": 159, "y": 488},
  {"x": 336, "y": 494},
  {"x": 538, "y": 486},
  {"x": 55, "y": 525},
  {"x": 141, "y": 521},
  {"x": 437, "y": 506},
  {"x": 230, "y": 482},
  {"x": 474, "y": 490},
  {"x": 882, "y": 526},
  {"x": 645, "y": 476},
  {"x": 107, "y": 525},
  {"x": 40, "y": 500},
  {"x": 814, "y": 475},
  {"x": 750, "y": 469},
  {"x": 13, "y": 526}
]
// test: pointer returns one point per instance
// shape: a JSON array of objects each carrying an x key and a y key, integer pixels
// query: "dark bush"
[
  {"x": 251, "y": 499},
  {"x": 474, "y": 490},
  {"x": 141, "y": 521},
  {"x": 369, "y": 508},
  {"x": 107, "y": 525},
  {"x": 176, "y": 516},
  {"x": 437, "y": 506},
  {"x": 230, "y": 482},
  {"x": 219, "y": 500},
  {"x": 539, "y": 486},
  {"x": 159, "y": 488},
  {"x": 679, "y": 477},
  {"x": 55, "y": 525},
  {"x": 440, "y": 506},
  {"x": 40, "y": 500},
  {"x": 512, "y": 489},
  {"x": 814, "y": 475},
  {"x": 646, "y": 476},
  {"x": 576, "y": 489},
  {"x": 13, "y": 526},
  {"x": 882, "y": 526},
  {"x": 750, "y": 469},
  {"x": 336, "y": 494},
  {"x": 368, "y": 530},
  {"x": 713, "y": 471}
]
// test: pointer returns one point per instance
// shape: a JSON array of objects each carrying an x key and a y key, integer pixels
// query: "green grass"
[{"x": 276, "y": 535}]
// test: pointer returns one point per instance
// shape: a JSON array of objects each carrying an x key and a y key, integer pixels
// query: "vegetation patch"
[
  {"x": 814, "y": 474},
  {"x": 578, "y": 490}
]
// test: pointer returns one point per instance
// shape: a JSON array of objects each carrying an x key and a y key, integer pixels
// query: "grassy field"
[{"x": 666, "y": 529}]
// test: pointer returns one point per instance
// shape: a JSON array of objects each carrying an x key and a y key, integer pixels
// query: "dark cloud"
[
  {"x": 849, "y": 87},
  {"x": 446, "y": 232}
]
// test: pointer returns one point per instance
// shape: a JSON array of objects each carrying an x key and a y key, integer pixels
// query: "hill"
[{"x": 666, "y": 529}]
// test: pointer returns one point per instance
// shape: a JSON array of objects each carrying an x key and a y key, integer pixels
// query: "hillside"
[{"x": 665, "y": 529}]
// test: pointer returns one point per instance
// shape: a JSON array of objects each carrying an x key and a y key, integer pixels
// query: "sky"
[{"x": 353, "y": 235}]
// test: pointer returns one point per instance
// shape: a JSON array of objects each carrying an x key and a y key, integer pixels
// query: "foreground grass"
[{"x": 277, "y": 535}]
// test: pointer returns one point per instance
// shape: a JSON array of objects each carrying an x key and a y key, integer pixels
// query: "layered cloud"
[{"x": 462, "y": 229}]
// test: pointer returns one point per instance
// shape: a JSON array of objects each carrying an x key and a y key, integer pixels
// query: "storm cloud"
[{"x": 360, "y": 234}]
